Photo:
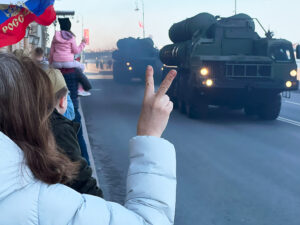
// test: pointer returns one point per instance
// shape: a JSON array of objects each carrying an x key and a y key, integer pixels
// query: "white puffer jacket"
[{"x": 151, "y": 188}]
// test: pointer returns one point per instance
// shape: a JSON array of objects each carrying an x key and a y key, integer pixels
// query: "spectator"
[
  {"x": 64, "y": 47},
  {"x": 69, "y": 114},
  {"x": 101, "y": 64},
  {"x": 38, "y": 56},
  {"x": 97, "y": 63},
  {"x": 65, "y": 132},
  {"x": 84, "y": 84},
  {"x": 21, "y": 52},
  {"x": 109, "y": 63},
  {"x": 72, "y": 79},
  {"x": 31, "y": 168}
]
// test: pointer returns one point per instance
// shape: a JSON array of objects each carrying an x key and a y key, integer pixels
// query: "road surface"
[{"x": 232, "y": 169}]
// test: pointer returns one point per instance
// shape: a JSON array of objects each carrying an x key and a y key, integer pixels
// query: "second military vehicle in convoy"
[
  {"x": 132, "y": 57},
  {"x": 224, "y": 62}
]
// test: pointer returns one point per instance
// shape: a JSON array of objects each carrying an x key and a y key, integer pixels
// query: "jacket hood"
[
  {"x": 14, "y": 174},
  {"x": 63, "y": 36}
]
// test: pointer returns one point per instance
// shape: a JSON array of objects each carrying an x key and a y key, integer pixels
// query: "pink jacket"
[{"x": 64, "y": 47}]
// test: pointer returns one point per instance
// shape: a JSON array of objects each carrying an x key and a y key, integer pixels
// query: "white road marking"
[
  {"x": 294, "y": 103},
  {"x": 100, "y": 77},
  {"x": 293, "y": 122}
]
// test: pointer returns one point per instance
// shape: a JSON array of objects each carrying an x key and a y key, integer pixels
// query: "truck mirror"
[{"x": 298, "y": 52}]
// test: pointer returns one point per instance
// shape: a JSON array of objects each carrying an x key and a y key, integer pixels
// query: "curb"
[{"x": 100, "y": 179}]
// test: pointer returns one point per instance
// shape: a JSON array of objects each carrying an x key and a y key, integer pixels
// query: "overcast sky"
[{"x": 113, "y": 19}]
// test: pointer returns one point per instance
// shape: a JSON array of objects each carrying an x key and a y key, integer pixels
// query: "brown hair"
[
  {"x": 38, "y": 52},
  {"x": 26, "y": 102},
  {"x": 60, "y": 94}
]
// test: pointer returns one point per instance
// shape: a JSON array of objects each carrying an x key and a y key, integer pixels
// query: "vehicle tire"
[
  {"x": 270, "y": 110},
  {"x": 191, "y": 111},
  {"x": 250, "y": 110},
  {"x": 175, "y": 102},
  {"x": 121, "y": 78},
  {"x": 196, "y": 111},
  {"x": 120, "y": 75},
  {"x": 181, "y": 106},
  {"x": 116, "y": 77}
]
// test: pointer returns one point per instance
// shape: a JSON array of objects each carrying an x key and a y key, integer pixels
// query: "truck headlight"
[
  {"x": 204, "y": 71},
  {"x": 293, "y": 73},
  {"x": 288, "y": 84},
  {"x": 128, "y": 64},
  {"x": 209, "y": 83},
  {"x": 130, "y": 68}
]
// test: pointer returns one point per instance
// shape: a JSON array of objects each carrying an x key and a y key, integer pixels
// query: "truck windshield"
[{"x": 281, "y": 53}]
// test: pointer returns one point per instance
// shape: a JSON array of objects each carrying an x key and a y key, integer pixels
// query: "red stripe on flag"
[
  {"x": 47, "y": 17},
  {"x": 14, "y": 29}
]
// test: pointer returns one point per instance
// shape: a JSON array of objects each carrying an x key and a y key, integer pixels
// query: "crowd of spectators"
[
  {"x": 45, "y": 172},
  {"x": 44, "y": 168}
]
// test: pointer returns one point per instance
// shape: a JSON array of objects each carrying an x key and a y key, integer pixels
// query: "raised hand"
[{"x": 157, "y": 107}]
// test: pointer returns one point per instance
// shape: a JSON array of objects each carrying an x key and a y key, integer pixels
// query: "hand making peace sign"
[{"x": 156, "y": 106}]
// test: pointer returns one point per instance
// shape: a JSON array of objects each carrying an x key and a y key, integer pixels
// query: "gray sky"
[{"x": 113, "y": 19}]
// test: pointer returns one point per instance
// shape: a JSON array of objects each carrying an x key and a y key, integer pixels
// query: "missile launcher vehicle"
[{"x": 224, "y": 62}]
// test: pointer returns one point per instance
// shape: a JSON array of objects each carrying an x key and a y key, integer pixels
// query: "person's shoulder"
[{"x": 71, "y": 206}]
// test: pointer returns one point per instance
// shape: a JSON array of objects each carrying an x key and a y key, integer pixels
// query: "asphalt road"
[{"x": 232, "y": 169}]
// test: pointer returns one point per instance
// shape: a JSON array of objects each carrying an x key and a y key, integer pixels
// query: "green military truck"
[
  {"x": 224, "y": 62},
  {"x": 132, "y": 58}
]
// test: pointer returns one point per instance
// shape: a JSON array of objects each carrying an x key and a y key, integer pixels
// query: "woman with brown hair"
[{"x": 32, "y": 171}]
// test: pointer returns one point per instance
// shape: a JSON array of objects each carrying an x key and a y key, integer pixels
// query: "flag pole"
[
  {"x": 235, "y": 7},
  {"x": 144, "y": 33}
]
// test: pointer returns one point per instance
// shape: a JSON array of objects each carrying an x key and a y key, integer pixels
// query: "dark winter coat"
[{"x": 65, "y": 133}]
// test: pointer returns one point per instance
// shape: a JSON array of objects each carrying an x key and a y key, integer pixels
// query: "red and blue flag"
[{"x": 15, "y": 16}]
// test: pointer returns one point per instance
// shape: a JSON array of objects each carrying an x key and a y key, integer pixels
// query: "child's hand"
[{"x": 156, "y": 106}]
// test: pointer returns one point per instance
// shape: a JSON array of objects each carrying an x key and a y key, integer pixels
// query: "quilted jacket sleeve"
[
  {"x": 151, "y": 188},
  {"x": 76, "y": 49}
]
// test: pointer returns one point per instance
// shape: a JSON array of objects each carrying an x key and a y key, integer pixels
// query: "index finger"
[
  {"x": 149, "y": 89},
  {"x": 165, "y": 85}
]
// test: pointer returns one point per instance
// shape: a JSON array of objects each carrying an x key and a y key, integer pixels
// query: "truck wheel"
[
  {"x": 250, "y": 110},
  {"x": 175, "y": 102},
  {"x": 121, "y": 78},
  {"x": 191, "y": 111},
  {"x": 181, "y": 106},
  {"x": 271, "y": 108},
  {"x": 117, "y": 77},
  {"x": 194, "y": 111}
]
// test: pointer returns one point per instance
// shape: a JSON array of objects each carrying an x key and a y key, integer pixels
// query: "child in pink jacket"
[{"x": 64, "y": 47}]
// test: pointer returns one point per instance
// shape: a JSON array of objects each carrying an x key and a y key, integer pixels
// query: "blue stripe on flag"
[
  {"x": 3, "y": 17},
  {"x": 38, "y": 7}
]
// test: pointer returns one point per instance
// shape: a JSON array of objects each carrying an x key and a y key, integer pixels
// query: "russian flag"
[{"x": 16, "y": 15}]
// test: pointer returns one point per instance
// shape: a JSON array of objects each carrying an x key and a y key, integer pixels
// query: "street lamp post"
[
  {"x": 235, "y": 7},
  {"x": 82, "y": 32},
  {"x": 143, "y": 12}
]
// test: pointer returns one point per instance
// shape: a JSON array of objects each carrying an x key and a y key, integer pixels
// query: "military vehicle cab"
[
  {"x": 224, "y": 62},
  {"x": 132, "y": 58}
]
